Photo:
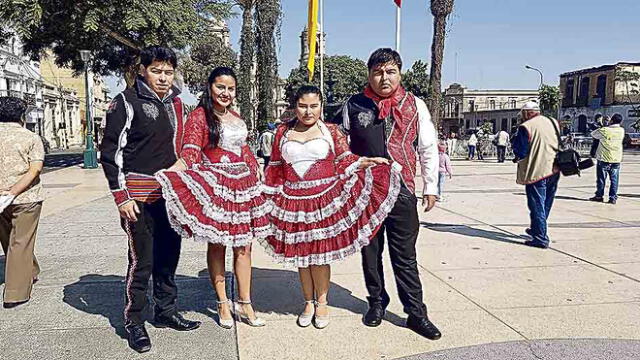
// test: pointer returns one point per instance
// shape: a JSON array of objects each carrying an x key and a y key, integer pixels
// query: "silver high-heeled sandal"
[
  {"x": 304, "y": 320},
  {"x": 321, "y": 322},
  {"x": 242, "y": 316},
  {"x": 225, "y": 323}
]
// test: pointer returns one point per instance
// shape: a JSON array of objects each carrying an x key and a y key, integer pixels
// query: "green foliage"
[
  {"x": 206, "y": 54},
  {"x": 416, "y": 79},
  {"x": 349, "y": 74},
  {"x": 113, "y": 30},
  {"x": 549, "y": 100},
  {"x": 267, "y": 18}
]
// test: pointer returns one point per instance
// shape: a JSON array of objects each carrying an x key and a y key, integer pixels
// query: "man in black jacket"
[{"x": 143, "y": 135}]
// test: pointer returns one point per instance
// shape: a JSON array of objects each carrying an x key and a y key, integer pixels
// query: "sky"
[{"x": 489, "y": 41}]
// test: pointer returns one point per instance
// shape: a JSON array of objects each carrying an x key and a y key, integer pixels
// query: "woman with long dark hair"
[
  {"x": 216, "y": 197},
  {"x": 327, "y": 202}
]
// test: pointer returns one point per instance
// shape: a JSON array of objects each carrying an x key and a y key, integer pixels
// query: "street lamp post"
[
  {"x": 90, "y": 154},
  {"x": 539, "y": 72}
]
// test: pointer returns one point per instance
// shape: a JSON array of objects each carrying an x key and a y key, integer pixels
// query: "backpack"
[{"x": 567, "y": 160}]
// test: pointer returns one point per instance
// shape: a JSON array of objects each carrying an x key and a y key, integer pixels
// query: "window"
[
  {"x": 505, "y": 124},
  {"x": 492, "y": 104},
  {"x": 601, "y": 88},
  {"x": 583, "y": 96},
  {"x": 514, "y": 104},
  {"x": 568, "y": 91},
  {"x": 467, "y": 123},
  {"x": 472, "y": 105}
]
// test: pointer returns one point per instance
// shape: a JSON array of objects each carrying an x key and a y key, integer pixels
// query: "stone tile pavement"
[{"x": 492, "y": 297}]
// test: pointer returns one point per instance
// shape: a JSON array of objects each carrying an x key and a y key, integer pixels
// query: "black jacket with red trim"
[{"x": 143, "y": 135}]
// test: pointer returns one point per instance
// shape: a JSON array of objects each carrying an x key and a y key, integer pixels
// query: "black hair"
[
  {"x": 384, "y": 56},
  {"x": 206, "y": 102},
  {"x": 304, "y": 90},
  {"x": 616, "y": 119},
  {"x": 12, "y": 109},
  {"x": 158, "y": 53}
]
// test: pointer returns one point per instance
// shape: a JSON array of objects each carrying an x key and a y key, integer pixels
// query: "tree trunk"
[
  {"x": 267, "y": 18},
  {"x": 246, "y": 63},
  {"x": 435, "y": 78},
  {"x": 130, "y": 74}
]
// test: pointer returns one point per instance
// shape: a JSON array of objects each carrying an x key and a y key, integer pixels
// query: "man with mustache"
[
  {"x": 144, "y": 135},
  {"x": 385, "y": 121}
]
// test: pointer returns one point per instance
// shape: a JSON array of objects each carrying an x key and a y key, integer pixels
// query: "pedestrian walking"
[
  {"x": 501, "y": 141},
  {"x": 472, "y": 143},
  {"x": 21, "y": 197},
  {"x": 215, "y": 195},
  {"x": 609, "y": 156},
  {"x": 445, "y": 170},
  {"x": 535, "y": 147},
  {"x": 480, "y": 145},
  {"x": 452, "y": 143},
  {"x": 384, "y": 121},
  {"x": 142, "y": 136},
  {"x": 265, "y": 142},
  {"x": 328, "y": 202}
]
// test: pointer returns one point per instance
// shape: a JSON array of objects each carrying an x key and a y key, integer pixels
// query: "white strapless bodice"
[
  {"x": 302, "y": 155},
  {"x": 233, "y": 136}
]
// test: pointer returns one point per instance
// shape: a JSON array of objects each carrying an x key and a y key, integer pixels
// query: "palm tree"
[
  {"x": 267, "y": 17},
  {"x": 247, "y": 54},
  {"x": 440, "y": 9}
]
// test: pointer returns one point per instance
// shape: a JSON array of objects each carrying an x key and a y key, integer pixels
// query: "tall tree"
[
  {"x": 440, "y": 9},
  {"x": 207, "y": 53},
  {"x": 349, "y": 74},
  {"x": 247, "y": 56},
  {"x": 113, "y": 30},
  {"x": 416, "y": 79},
  {"x": 267, "y": 17}
]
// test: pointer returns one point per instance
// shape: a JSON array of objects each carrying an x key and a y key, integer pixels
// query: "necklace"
[{"x": 220, "y": 113}]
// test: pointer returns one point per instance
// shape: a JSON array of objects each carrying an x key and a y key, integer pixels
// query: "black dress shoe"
[
  {"x": 424, "y": 327},
  {"x": 374, "y": 316},
  {"x": 10, "y": 305},
  {"x": 176, "y": 322},
  {"x": 138, "y": 338},
  {"x": 536, "y": 244}
]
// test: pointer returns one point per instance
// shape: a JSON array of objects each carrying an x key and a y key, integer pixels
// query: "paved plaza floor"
[{"x": 492, "y": 297}]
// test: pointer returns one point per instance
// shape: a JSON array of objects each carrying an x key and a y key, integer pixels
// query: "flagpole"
[
  {"x": 398, "y": 16},
  {"x": 322, "y": 47}
]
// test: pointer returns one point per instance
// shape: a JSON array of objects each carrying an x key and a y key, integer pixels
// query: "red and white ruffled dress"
[
  {"x": 325, "y": 208},
  {"x": 219, "y": 198}
]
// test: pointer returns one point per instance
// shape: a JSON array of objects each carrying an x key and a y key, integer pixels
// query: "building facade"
[
  {"x": 605, "y": 90},
  {"x": 466, "y": 109},
  {"x": 21, "y": 78},
  {"x": 64, "y": 78}
]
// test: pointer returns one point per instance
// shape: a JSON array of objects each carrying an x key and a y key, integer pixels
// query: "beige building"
[
  {"x": 62, "y": 114},
  {"x": 605, "y": 90},
  {"x": 65, "y": 78},
  {"x": 468, "y": 109}
]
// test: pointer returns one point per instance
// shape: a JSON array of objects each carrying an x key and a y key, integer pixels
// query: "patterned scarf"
[{"x": 387, "y": 105}]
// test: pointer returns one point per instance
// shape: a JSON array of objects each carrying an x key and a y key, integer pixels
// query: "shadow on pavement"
[
  {"x": 104, "y": 295},
  {"x": 279, "y": 292},
  {"x": 474, "y": 232},
  {"x": 629, "y": 195}
]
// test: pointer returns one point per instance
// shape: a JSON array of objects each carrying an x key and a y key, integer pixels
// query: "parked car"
[{"x": 631, "y": 140}]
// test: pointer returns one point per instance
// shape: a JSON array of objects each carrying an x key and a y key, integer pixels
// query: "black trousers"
[
  {"x": 502, "y": 150},
  {"x": 154, "y": 250},
  {"x": 401, "y": 228}
]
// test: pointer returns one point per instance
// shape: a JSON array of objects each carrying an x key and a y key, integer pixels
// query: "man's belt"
[{"x": 143, "y": 188}]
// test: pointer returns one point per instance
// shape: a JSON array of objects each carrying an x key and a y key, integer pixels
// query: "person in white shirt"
[{"x": 501, "y": 141}]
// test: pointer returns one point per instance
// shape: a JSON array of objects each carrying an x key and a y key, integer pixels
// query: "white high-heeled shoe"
[
  {"x": 242, "y": 316},
  {"x": 305, "y": 320},
  {"x": 321, "y": 322},
  {"x": 225, "y": 323}
]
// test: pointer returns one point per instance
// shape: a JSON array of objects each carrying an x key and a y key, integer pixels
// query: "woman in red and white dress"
[
  {"x": 328, "y": 202},
  {"x": 216, "y": 196}
]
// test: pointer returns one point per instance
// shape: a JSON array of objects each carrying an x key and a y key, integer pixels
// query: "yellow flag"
[{"x": 313, "y": 30}]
